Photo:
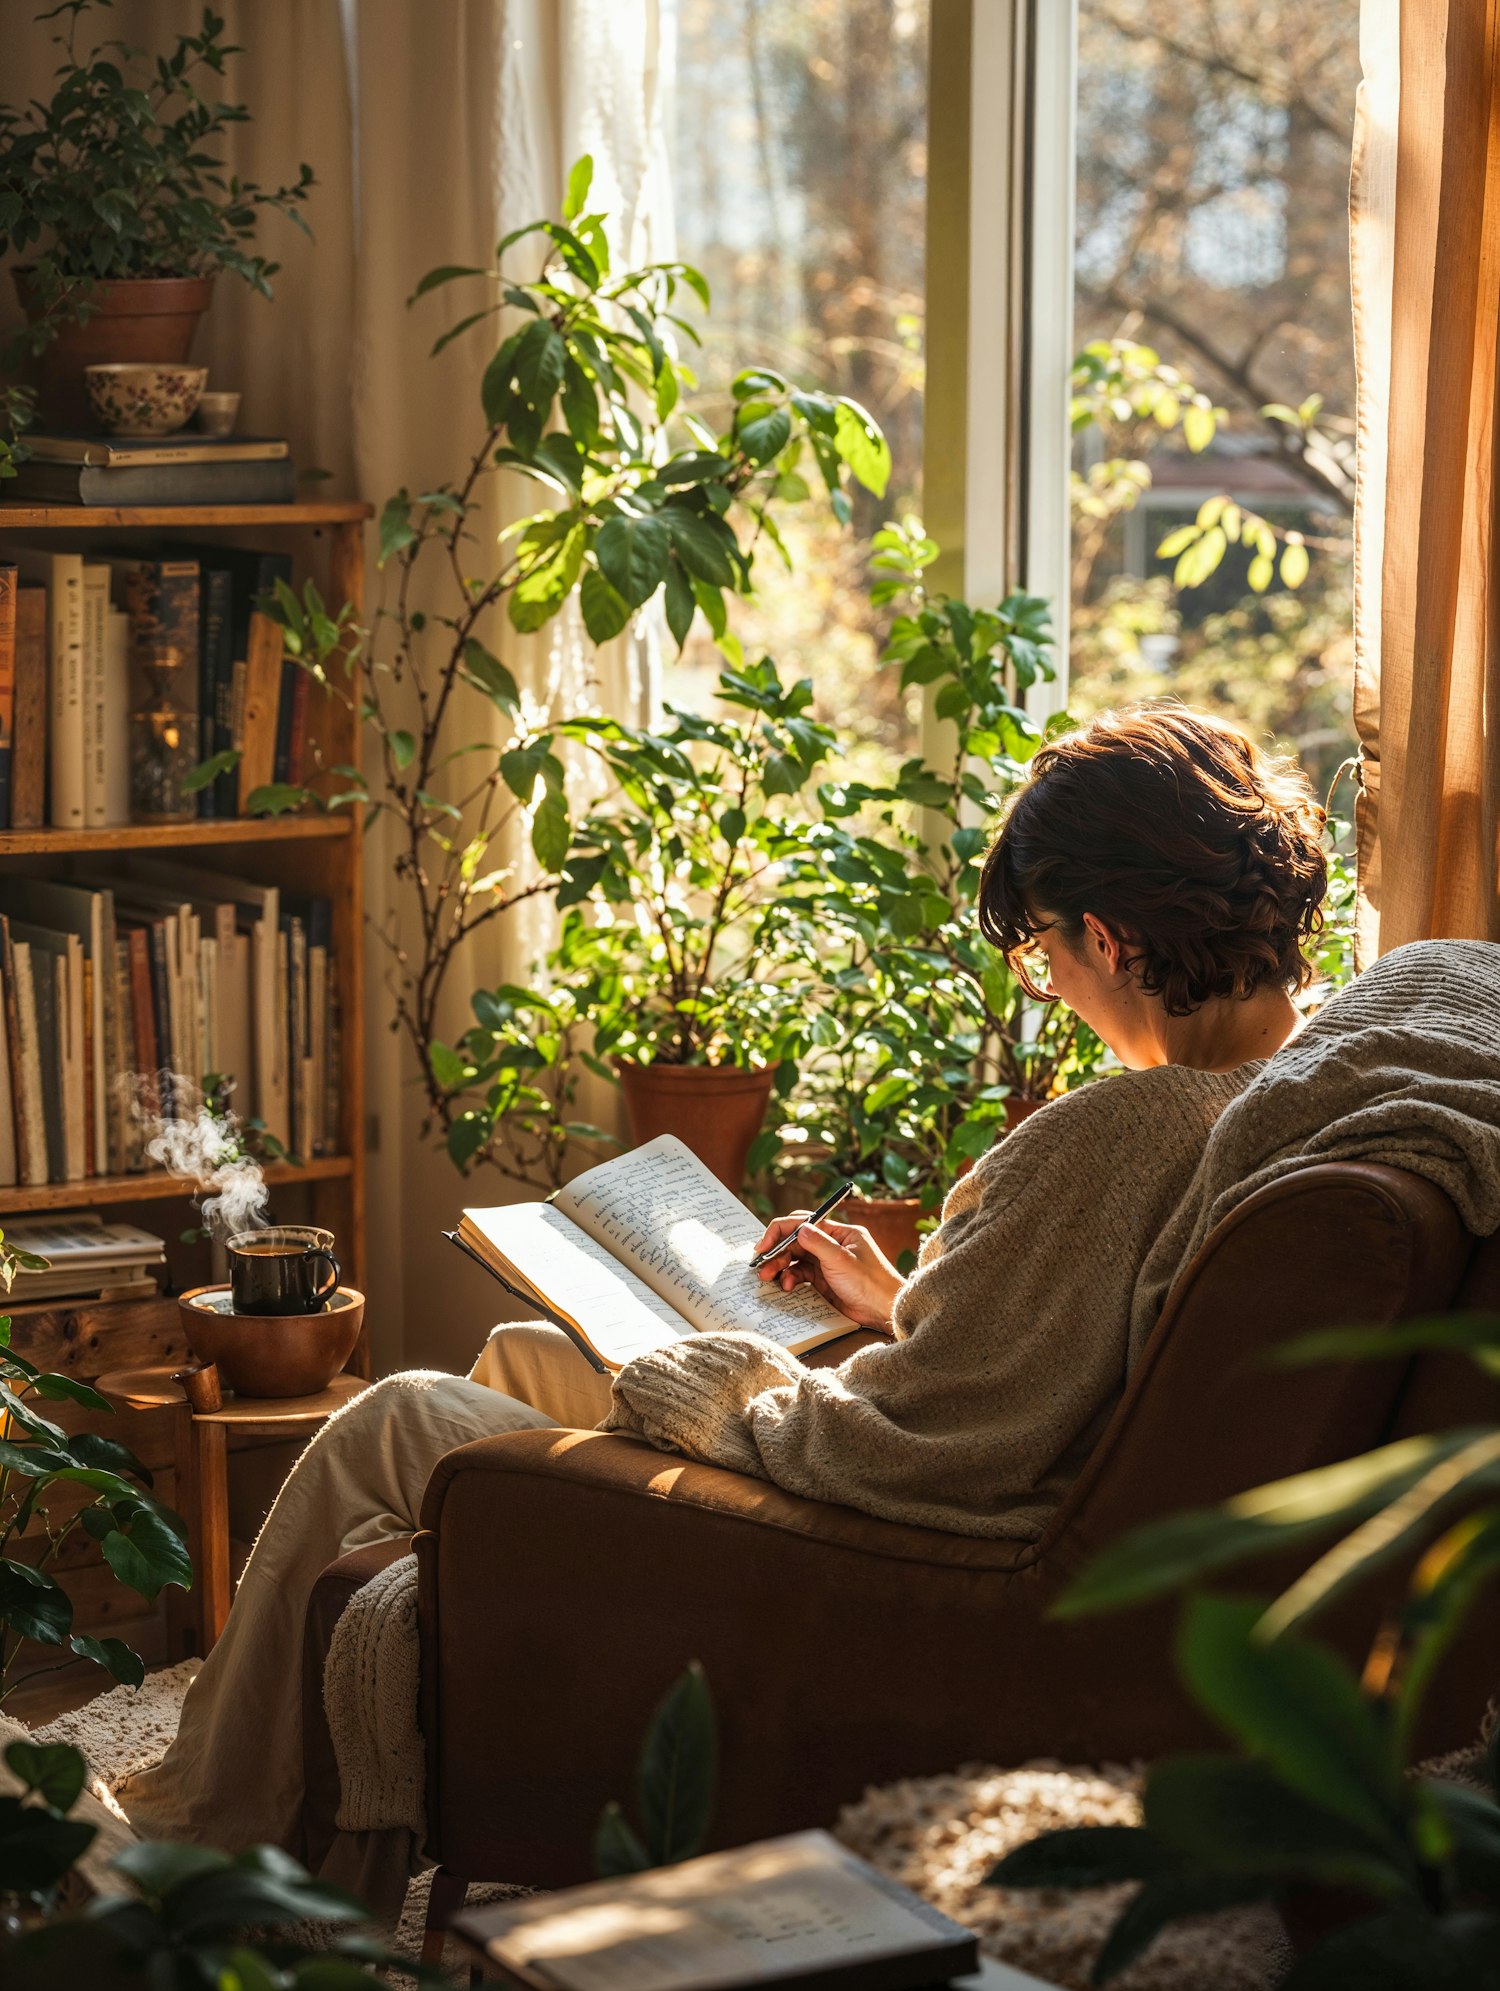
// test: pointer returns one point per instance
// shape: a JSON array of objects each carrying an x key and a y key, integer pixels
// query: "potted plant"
[
  {"x": 927, "y": 1047},
  {"x": 644, "y": 504},
  {"x": 120, "y": 212},
  {"x": 687, "y": 945}
]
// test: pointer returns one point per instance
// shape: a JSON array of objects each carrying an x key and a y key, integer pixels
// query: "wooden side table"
[{"x": 201, "y": 1442}]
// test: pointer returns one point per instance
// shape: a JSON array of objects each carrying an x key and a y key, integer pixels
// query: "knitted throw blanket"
[
  {"x": 1056, "y": 1254},
  {"x": 370, "y": 1698}
]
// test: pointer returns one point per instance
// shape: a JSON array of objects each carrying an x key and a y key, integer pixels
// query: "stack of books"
[
  {"x": 110, "y": 986},
  {"x": 183, "y": 469},
  {"x": 76, "y": 635},
  {"x": 88, "y": 1259}
]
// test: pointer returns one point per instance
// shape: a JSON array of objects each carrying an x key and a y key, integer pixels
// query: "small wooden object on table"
[{"x": 202, "y": 1441}]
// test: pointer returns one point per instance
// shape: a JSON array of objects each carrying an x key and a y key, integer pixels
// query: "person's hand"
[{"x": 842, "y": 1261}]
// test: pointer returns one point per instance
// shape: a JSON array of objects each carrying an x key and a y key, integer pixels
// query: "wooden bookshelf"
[{"x": 310, "y": 853}]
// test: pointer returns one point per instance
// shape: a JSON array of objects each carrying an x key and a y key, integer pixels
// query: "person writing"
[{"x": 1160, "y": 874}]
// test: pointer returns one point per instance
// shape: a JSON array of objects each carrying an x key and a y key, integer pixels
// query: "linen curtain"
[
  {"x": 433, "y": 130},
  {"x": 1426, "y": 254}
]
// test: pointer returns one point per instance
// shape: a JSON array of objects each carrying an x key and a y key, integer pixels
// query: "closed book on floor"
[
  {"x": 640, "y": 1251},
  {"x": 799, "y": 1911},
  {"x": 264, "y": 483},
  {"x": 28, "y": 764}
]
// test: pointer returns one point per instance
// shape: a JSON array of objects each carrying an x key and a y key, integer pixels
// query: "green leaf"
[
  {"x": 1232, "y": 1816},
  {"x": 1084, "y": 1856},
  {"x": 617, "y": 1850},
  {"x": 403, "y": 748},
  {"x": 1198, "y": 425},
  {"x": 448, "y": 1068},
  {"x": 632, "y": 554},
  {"x": 680, "y": 604},
  {"x": 605, "y": 609},
  {"x": 466, "y": 1137},
  {"x": 766, "y": 435},
  {"x": 859, "y": 442},
  {"x": 551, "y": 832},
  {"x": 209, "y": 770},
  {"x": 57, "y": 1389},
  {"x": 395, "y": 528},
  {"x": 679, "y": 1770},
  {"x": 1170, "y": 1898},
  {"x": 445, "y": 273},
  {"x": 702, "y": 547},
  {"x": 275, "y": 798},
  {"x": 520, "y": 766},
  {"x": 55, "y": 1771},
  {"x": 148, "y": 1555},
  {"x": 580, "y": 179},
  {"x": 33, "y": 1605},
  {"x": 114, "y": 1655},
  {"x": 537, "y": 365},
  {"x": 491, "y": 676},
  {"x": 1296, "y": 1706}
]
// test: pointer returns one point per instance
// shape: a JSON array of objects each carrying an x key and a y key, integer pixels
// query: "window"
[
  {"x": 798, "y": 142},
  {"x": 1212, "y": 157}
]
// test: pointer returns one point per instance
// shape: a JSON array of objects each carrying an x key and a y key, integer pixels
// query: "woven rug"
[{"x": 938, "y": 1835}]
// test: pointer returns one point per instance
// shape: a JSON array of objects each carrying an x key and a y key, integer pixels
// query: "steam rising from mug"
[{"x": 207, "y": 1147}]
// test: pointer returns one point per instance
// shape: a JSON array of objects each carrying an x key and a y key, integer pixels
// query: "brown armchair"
[{"x": 566, "y": 1577}]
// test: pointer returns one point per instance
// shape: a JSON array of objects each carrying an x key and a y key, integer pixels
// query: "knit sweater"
[
  {"x": 1055, "y": 1255},
  {"x": 1011, "y": 1337}
]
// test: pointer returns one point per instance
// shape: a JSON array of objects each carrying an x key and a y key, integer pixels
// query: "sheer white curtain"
[{"x": 433, "y": 130}]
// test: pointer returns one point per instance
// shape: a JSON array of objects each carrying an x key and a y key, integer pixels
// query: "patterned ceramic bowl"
[{"x": 144, "y": 397}]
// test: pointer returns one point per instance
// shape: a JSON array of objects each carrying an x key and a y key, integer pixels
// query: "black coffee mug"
[{"x": 280, "y": 1270}]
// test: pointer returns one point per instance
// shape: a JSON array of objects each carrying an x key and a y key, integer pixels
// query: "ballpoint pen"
[{"x": 813, "y": 1217}]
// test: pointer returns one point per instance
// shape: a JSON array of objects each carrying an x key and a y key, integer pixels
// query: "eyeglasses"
[{"x": 1033, "y": 971}]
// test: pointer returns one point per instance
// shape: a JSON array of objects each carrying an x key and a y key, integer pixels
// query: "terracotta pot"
[
  {"x": 272, "y": 1354},
  {"x": 132, "y": 318},
  {"x": 1017, "y": 1110},
  {"x": 716, "y": 1110},
  {"x": 890, "y": 1220}
]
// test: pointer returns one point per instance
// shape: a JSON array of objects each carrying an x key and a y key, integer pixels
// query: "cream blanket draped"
[{"x": 1031, "y": 1301}]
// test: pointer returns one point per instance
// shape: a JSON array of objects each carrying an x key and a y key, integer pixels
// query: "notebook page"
[
  {"x": 617, "y": 1313},
  {"x": 663, "y": 1214}
]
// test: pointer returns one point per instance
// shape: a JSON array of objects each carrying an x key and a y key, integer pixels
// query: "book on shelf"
[
  {"x": 113, "y": 987},
  {"x": 266, "y": 482},
  {"x": 9, "y": 589},
  {"x": 87, "y": 1256},
  {"x": 640, "y": 1251},
  {"x": 131, "y": 452},
  {"x": 798, "y": 1911},
  {"x": 62, "y": 575},
  {"x": 86, "y": 631},
  {"x": 28, "y": 765}
]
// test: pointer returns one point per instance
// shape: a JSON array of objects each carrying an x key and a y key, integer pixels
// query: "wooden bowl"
[{"x": 272, "y": 1354}]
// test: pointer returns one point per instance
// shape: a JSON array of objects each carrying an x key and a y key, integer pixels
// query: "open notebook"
[{"x": 640, "y": 1250}]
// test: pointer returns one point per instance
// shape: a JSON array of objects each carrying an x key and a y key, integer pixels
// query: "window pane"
[
  {"x": 798, "y": 142},
  {"x": 1213, "y": 170}
]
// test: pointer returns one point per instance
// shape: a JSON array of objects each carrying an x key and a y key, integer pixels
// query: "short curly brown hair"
[{"x": 1201, "y": 851}]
